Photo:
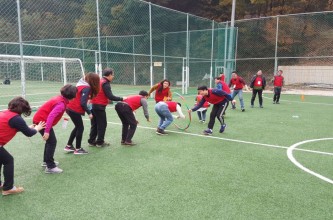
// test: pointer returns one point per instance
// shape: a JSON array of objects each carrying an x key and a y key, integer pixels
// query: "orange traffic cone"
[{"x": 302, "y": 98}]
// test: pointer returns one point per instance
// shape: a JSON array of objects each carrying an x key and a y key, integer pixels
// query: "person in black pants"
[
  {"x": 88, "y": 87},
  {"x": 258, "y": 84},
  {"x": 125, "y": 112},
  {"x": 10, "y": 123},
  {"x": 99, "y": 103}
]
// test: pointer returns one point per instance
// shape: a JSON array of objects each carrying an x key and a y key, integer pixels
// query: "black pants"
[
  {"x": 254, "y": 94},
  {"x": 128, "y": 120},
  {"x": 49, "y": 149},
  {"x": 77, "y": 132},
  {"x": 98, "y": 126},
  {"x": 277, "y": 93},
  {"x": 218, "y": 111},
  {"x": 7, "y": 160}
]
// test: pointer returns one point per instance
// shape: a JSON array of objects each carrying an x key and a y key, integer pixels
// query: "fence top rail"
[
  {"x": 275, "y": 16},
  {"x": 36, "y": 58}
]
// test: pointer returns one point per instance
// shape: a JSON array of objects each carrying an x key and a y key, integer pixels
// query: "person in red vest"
[
  {"x": 219, "y": 99},
  {"x": 99, "y": 103},
  {"x": 258, "y": 84},
  {"x": 164, "y": 109},
  {"x": 237, "y": 83},
  {"x": 125, "y": 111},
  {"x": 163, "y": 92},
  {"x": 10, "y": 123},
  {"x": 51, "y": 112},
  {"x": 278, "y": 82},
  {"x": 87, "y": 88},
  {"x": 203, "y": 110}
]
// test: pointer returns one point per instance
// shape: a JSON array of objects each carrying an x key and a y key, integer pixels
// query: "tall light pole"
[{"x": 231, "y": 47}]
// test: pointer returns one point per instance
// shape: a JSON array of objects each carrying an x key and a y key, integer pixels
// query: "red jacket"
[
  {"x": 159, "y": 96},
  {"x": 75, "y": 104},
  {"x": 134, "y": 101},
  {"x": 172, "y": 106},
  {"x": 6, "y": 132},
  {"x": 214, "y": 99},
  {"x": 278, "y": 81},
  {"x": 238, "y": 82},
  {"x": 44, "y": 111},
  {"x": 101, "y": 98},
  {"x": 198, "y": 99}
]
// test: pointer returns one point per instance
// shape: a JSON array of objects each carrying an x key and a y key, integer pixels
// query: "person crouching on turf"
[
  {"x": 219, "y": 99},
  {"x": 125, "y": 111},
  {"x": 163, "y": 92},
  {"x": 10, "y": 123},
  {"x": 51, "y": 112},
  {"x": 164, "y": 109},
  {"x": 87, "y": 88},
  {"x": 99, "y": 103}
]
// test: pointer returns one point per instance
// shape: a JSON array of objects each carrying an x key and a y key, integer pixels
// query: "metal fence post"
[
  {"x": 21, "y": 48},
  {"x": 211, "y": 56},
  {"x": 276, "y": 44},
  {"x": 150, "y": 47},
  {"x": 99, "y": 69}
]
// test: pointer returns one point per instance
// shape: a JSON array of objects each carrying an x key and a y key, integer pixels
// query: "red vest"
[
  {"x": 278, "y": 81},
  {"x": 44, "y": 111},
  {"x": 159, "y": 96},
  {"x": 225, "y": 87},
  {"x": 212, "y": 98},
  {"x": 101, "y": 98},
  {"x": 258, "y": 82},
  {"x": 75, "y": 104},
  {"x": 172, "y": 106},
  {"x": 134, "y": 101},
  {"x": 6, "y": 132},
  {"x": 237, "y": 83},
  {"x": 205, "y": 105}
]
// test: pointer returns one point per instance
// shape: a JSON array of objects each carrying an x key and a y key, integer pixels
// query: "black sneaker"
[
  {"x": 69, "y": 148},
  {"x": 243, "y": 110},
  {"x": 92, "y": 144},
  {"x": 129, "y": 143},
  {"x": 104, "y": 144},
  {"x": 80, "y": 151},
  {"x": 161, "y": 132}
]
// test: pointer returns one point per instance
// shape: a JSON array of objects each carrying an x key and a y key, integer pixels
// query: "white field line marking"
[
  {"x": 312, "y": 103},
  {"x": 227, "y": 139},
  {"x": 294, "y": 161}
]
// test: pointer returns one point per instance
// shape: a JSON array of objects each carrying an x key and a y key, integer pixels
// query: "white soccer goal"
[{"x": 41, "y": 69}]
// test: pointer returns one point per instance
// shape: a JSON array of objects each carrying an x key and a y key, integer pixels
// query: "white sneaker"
[
  {"x": 53, "y": 170},
  {"x": 44, "y": 163}
]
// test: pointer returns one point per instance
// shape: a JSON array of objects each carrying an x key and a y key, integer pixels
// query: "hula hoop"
[{"x": 189, "y": 115}]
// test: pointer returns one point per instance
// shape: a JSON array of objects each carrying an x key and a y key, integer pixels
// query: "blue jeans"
[
  {"x": 165, "y": 115},
  {"x": 239, "y": 92}
]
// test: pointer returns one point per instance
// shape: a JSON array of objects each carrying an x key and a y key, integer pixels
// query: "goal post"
[{"x": 41, "y": 70}]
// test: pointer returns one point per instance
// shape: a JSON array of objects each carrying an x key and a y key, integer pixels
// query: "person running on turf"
[
  {"x": 51, "y": 112},
  {"x": 164, "y": 109},
  {"x": 11, "y": 122},
  {"x": 163, "y": 92},
  {"x": 219, "y": 99},
  {"x": 99, "y": 103},
  {"x": 88, "y": 88},
  {"x": 125, "y": 111}
]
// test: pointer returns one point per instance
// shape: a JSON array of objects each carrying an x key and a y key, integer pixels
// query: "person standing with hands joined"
[
  {"x": 125, "y": 111},
  {"x": 10, "y": 123},
  {"x": 87, "y": 88},
  {"x": 278, "y": 82},
  {"x": 258, "y": 84},
  {"x": 99, "y": 103}
]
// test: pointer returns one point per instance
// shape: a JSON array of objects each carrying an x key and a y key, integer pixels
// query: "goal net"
[{"x": 41, "y": 69}]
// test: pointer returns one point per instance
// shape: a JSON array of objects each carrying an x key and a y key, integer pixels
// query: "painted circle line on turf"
[{"x": 294, "y": 161}]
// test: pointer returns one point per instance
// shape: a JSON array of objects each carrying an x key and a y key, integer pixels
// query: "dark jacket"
[{"x": 254, "y": 78}]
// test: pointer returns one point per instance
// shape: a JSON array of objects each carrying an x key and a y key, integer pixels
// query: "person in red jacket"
[
  {"x": 258, "y": 84},
  {"x": 163, "y": 92},
  {"x": 125, "y": 111},
  {"x": 10, "y": 123},
  {"x": 219, "y": 99},
  {"x": 87, "y": 88},
  {"x": 99, "y": 103},
  {"x": 51, "y": 112},
  {"x": 237, "y": 83},
  {"x": 278, "y": 82},
  {"x": 164, "y": 109},
  {"x": 201, "y": 112}
]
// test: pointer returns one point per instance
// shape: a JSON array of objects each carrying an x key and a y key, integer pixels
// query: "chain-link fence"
[
  {"x": 299, "y": 44},
  {"x": 144, "y": 43}
]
